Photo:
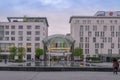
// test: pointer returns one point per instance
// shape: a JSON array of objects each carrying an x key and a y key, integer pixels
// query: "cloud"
[
  {"x": 53, "y": 2},
  {"x": 58, "y": 12}
]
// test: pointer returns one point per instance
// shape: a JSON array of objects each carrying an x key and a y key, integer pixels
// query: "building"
[
  {"x": 97, "y": 35},
  {"x": 58, "y": 47},
  {"x": 27, "y": 32}
]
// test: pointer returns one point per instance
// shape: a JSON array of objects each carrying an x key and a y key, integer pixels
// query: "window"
[
  {"x": 119, "y": 51},
  {"x": 102, "y": 34},
  {"x": 20, "y": 32},
  {"x": 84, "y": 21},
  {"x": 1, "y": 27},
  {"x": 89, "y": 21},
  {"x": 110, "y": 51},
  {"x": 104, "y": 39},
  {"x": 6, "y": 38},
  {"x": 76, "y": 21},
  {"x": 28, "y": 38},
  {"x": 7, "y": 33},
  {"x": 109, "y": 39},
  {"x": 112, "y": 34},
  {"x": 12, "y": 38},
  {"x": 115, "y": 21},
  {"x": 111, "y": 21},
  {"x": 12, "y": 32},
  {"x": 29, "y": 44},
  {"x": 37, "y": 27},
  {"x": 37, "y": 33},
  {"x": 86, "y": 28},
  {"x": 94, "y": 39},
  {"x": 116, "y": 34},
  {"x": 118, "y": 39},
  {"x": 96, "y": 51},
  {"x": 89, "y": 33},
  {"x": 102, "y": 21},
  {"x": 1, "y": 38},
  {"x": 96, "y": 34},
  {"x": 112, "y": 45},
  {"x": 6, "y": 27},
  {"x": 12, "y": 27},
  {"x": 102, "y": 45},
  {"x": 28, "y": 56},
  {"x": 81, "y": 39},
  {"x": 112, "y": 28},
  {"x": 81, "y": 33},
  {"x": 20, "y": 39},
  {"x": 104, "y": 28},
  {"x": 94, "y": 28},
  {"x": 119, "y": 28},
  {"x": 118, "y": 45},
  {"x": 20, "y": 27},
  {"x": 86, "y": 39},
  {"x": 81, "y": 28},
  {"x": 28, "y": 32},
  {"x": 28, "y": 49},
  {"x": 37, "y": 38},
  {"x": 86, "y": 45},
  {"x": 29, "y": 27},
  {"x": 96, "y": 45},
  {"x": 97, "y": 21},
  {"x": 86, "y": 51}
]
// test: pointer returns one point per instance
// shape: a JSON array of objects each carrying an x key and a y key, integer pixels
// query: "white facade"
[
  {"x": 98, "y": 34},
  {"x": 28, "y": 34}
]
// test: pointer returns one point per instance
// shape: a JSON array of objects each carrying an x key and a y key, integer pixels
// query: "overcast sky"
[{"x": 58, "y": 12}]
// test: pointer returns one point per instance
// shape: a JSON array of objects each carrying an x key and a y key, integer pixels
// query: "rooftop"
[
  {"x": 28, "y": 19},
  {"x": 100, "y": 14}
]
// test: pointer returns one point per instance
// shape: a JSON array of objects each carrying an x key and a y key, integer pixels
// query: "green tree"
[
  {"x": 13, "y": 52},
  {"x": 38, "y": 52},
  {"x": 21, "y": 52},
  {"x": 78, "y": 52}
]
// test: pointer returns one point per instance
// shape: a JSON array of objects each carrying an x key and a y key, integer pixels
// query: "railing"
[{"x": 52, "y": 64}]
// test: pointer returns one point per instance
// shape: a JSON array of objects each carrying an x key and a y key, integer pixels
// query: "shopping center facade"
[{"x": 97, "y": 35}]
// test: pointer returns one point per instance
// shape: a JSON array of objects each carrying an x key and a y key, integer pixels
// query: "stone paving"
[
  {"x": 78, "y": 75},
  {"x": 18, "y": 75}
]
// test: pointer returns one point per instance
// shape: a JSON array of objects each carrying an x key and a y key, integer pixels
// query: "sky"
[{"x": 58, "y": 12}]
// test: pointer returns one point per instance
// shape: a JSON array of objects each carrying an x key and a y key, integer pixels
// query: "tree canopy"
[
  {"x": 38, "y": 52},
  {"x": 78, "y": 52},
  {"x": 21, "y": 52}
]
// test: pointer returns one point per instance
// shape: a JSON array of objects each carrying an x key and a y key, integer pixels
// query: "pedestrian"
[{"x": 115, "y": 66}]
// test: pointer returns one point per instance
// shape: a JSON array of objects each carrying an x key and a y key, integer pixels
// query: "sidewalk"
[{"x": 9, "y": 75}]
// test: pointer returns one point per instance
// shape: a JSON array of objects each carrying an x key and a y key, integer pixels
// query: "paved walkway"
[{"x": 9, "y": 75}]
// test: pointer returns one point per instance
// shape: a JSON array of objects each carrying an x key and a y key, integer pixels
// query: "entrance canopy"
[
  {"x": 56, "y": 37},
  {"x": 58, "y": 45}
]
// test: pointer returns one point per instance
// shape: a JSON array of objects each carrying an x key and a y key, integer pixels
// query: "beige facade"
[
  {"x": 27, "y": 32},
  {"x": 98, "y": 34}
]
